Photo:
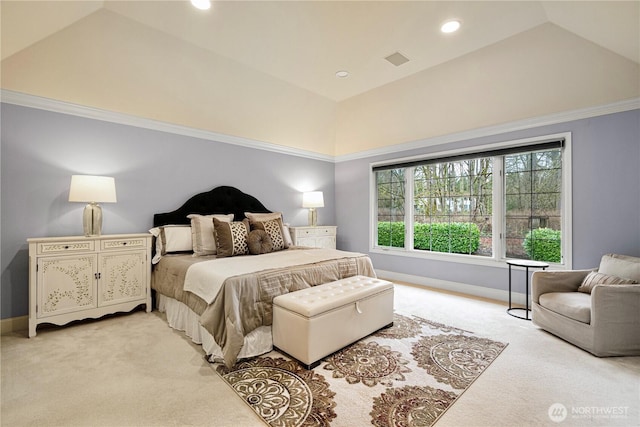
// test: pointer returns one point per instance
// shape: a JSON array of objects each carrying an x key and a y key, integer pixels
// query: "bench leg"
[{"x": 308, "y": 367}]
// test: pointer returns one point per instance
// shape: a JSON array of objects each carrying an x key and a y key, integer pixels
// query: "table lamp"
[
  {"x": 312, "y": 200},
  {"x": 94, "y": 190}
]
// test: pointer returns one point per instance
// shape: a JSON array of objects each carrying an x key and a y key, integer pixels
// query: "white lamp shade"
[
  {"x": 89, "y": 188},
  {"x": 312, "y": 199}
]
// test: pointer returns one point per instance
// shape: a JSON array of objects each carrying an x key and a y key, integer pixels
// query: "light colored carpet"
[{"x": 133, "y": 370}]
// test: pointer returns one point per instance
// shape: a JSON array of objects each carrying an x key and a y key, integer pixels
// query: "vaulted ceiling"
[
  {"x": 307, "y": 42},
  {"x": 304, "y": 43}
]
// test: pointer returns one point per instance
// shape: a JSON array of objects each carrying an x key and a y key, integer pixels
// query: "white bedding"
[
  {"x": 182, "y": 318},
  {"x": 204, "y": 281}
]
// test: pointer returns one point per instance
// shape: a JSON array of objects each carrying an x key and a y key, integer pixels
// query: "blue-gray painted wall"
[
  {"x": 606, "y": 199},
  {"x": 154, "y": 172},
  {"x": 157, "y": 171}
]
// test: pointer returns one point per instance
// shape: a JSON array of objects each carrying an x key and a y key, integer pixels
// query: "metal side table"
[{"x": 527, "y": 264}]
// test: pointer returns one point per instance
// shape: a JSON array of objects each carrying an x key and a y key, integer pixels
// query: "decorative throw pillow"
[
  {"x": 202, "y": 235},
  {"x": 231, "y": 237},
  {"x": 171, "y": 239},
  {"x": 621, "y": 266},
  {"x": 273, "y": 228},
  {"x": 253, "y": 216},
  {"x": 271, "y": 216},
  {"x": 259, "y": 242},
  {"x": 595, "y": 278}
]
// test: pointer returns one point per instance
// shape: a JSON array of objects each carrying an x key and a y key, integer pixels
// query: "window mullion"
[
  {"x": 409, "y": 208},
  {"x": 498, "y": 198}
]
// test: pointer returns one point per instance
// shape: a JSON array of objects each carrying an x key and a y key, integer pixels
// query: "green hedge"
[
  {"x": 391, "y": 234},
  {"x": 456, "y": 237},
  {"x": 543, "y": 244}
]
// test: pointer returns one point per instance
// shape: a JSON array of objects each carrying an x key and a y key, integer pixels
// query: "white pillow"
[
  {"x": 204, "y": 241},
  {"x": 170, "y": 239},
  {"x": 286, "y": 233},
  {"x": 624, "y": 266}
]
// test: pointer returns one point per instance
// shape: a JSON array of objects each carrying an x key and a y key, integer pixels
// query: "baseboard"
[
  {"x": 21, "y": 323},
  {"x": 463, "y": 288},
  {"x": 14, "y": 324}
]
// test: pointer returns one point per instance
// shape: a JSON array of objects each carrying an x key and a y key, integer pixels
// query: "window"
[
  {"x": 532, "y": 192},
  {"x": 391, "y": 201},
  {"x": 507, "y": 200},
  {"x": 452, "y": 206}
]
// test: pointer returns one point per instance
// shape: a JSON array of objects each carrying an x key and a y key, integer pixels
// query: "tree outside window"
[{"x": 451, "y": 205}]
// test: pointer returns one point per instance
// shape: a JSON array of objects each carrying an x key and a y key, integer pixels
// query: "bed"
[{"x": 218, "y": 291}]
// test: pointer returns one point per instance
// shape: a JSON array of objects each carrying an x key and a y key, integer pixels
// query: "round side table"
[{"x": 527, "y": 264}]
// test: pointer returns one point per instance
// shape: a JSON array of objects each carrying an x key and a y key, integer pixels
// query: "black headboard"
[{"x": 220, "y": 200}]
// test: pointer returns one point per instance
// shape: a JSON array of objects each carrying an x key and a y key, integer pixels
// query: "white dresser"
[
  {"x": 77, "y": 277},
  {"x": 321, "y": 236}
]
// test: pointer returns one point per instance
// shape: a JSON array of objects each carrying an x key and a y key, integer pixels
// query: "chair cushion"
[
  {"x": 595, "y": 278},
  {"x": 574, "y": 305},
  {"x": 621, "y": 266}
]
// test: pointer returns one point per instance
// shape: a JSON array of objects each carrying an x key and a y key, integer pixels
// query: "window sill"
[{"x": 455, "y": 258}]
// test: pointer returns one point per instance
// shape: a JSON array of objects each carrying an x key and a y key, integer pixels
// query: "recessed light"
[
  {"x": 342, "y": 74},
  {"x": 201, "y": 4},
  {"x": 450, "y": 26}
]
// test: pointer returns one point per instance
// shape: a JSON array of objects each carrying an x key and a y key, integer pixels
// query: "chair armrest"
[
  {"x": 543, "y": 282},
  {"x": 616, "y": 305}
]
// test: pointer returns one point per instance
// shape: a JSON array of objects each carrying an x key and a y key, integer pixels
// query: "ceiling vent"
[{"x": 397, "y": 59}]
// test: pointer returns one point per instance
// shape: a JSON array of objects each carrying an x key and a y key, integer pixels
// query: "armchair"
[{"x": 597, "y": 310}]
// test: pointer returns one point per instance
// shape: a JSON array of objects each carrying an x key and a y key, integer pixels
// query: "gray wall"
[
  {"x": 154, "y": 172},
  {"x": 606, "y": 199},
  {"x": 157, "y": 171}
]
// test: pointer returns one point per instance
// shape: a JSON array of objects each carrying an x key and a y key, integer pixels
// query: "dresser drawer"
[
  {"x": 315, "y": 231},
  {"x": 322, "y": 236},
  {"x": 125, "y": 243},
  {"x": 68, "y": 246}
]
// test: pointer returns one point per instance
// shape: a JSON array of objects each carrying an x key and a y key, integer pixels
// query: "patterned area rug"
[{"x": 406, "y": 375}]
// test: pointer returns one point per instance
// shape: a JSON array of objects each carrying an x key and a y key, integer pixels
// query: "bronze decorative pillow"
[
  {"x": 231, "y": 237},
  {"x": 595, "y": 278},
  {"x": 259, "y": 242},
  {"x": 263, "y": 217},
  {"x": 273, "y": 228}
]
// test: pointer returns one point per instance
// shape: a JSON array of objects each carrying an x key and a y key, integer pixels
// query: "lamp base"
[
  {"x": 313, "y": 217},
  {"x": 92, "y": 219}
]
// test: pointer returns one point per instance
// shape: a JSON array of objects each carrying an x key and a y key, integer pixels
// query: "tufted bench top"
[{"x": 319, "y": 299}]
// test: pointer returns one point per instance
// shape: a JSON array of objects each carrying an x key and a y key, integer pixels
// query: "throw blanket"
[{"x": 206, "y": 278}]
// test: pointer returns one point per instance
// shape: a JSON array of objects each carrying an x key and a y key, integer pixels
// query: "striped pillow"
[
  {"x": 595, "y": 278},
  {"x": 202, "y": 233}
]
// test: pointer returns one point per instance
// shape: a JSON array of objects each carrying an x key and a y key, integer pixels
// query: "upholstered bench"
[{"x": 312, "y": 323}]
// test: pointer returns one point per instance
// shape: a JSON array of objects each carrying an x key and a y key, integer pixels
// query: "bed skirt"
[{"x": 182, "y": 318}]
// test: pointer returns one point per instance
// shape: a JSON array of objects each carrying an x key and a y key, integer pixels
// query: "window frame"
[{"x": 498, "y": 257}]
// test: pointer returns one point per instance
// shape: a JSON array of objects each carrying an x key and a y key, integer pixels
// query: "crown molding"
[
  {"x": 26, "y": 100},
  {"x": 56, "y": 106},
  {"x": 551, "y": 119}
]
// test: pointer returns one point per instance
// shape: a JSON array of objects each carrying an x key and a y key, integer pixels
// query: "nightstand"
[
  {"x": 321, "y": 236},
  {"x": 77, "y": 277}
]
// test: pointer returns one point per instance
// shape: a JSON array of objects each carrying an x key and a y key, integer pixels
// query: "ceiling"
[{"x": 305, "y": 43}]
